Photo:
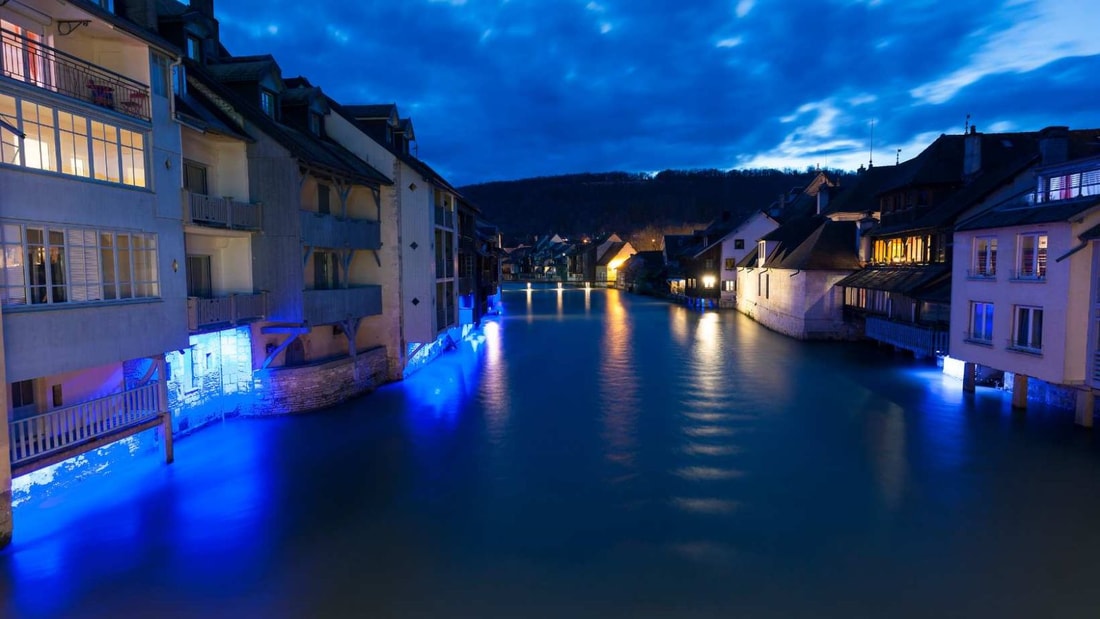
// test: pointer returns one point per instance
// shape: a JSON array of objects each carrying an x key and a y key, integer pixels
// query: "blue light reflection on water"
[{"x": 596, "y": 454}]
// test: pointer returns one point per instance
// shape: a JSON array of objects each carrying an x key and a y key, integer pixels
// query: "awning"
[{"x": 919, "y": 282}]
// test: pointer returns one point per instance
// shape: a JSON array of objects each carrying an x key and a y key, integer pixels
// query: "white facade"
[
  {"x": 736, "y": 245},
  {"x": 801, "y": 304}
]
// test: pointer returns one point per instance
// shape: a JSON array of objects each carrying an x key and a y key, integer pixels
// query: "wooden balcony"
[
  {"x": 326, "y": 307},
  {"x": 42, "y": 66},
  {"x": 234, "y": 309},
  {"x": 202, "y": 210},
  {"x": 65, "y": 432},
  {"x": 922, "y": 340},
  {"x": 324, "y": 230}
]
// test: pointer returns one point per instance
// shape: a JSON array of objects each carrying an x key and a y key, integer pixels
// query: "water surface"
[{"x": 598, "y": 455}]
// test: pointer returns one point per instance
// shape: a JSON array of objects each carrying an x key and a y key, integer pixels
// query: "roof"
[
  {"x": 242, "y": 68},
  {"x": 611, "y": 253},
  {"x": 373, "y": 111},
  {"x": 923, "y": 282},
  {"x": 196, "y": 110},
  {"x": 649, "y": 259},
  {"x": 1016, "y": 212},
  {"x": 813, "y": 243},
  {"x": 862, "y": 195},
  {"x": 319, "y": 153}
]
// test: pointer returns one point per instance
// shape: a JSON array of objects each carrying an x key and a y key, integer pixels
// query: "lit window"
[
  {"x": 981, "y": 322},
  {"x": 1028, "y": 334},
  {"x": 731, "y": 264},
  {"x": 1031, "y": 256},
  {"x": 1069, "y": 186},
  {"x": 985, "y": 257}
]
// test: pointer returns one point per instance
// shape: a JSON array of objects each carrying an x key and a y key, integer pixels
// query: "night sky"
[{"x": 506, "y": 89}]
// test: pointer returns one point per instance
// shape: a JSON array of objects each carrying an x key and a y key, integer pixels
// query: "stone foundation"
[
  {"x": 1055, "y": 396},
  {"x": 309, "y": 387}
]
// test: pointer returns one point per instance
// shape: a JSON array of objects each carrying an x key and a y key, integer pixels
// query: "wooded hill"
[{"x": 627, "y": 203}]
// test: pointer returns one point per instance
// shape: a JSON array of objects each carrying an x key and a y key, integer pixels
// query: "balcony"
[
  {"x": 78, "y": 428},
  {"x": 227, "y": 213},
  {"x": 323, "y": 230},
  {"x": 42, "y": 66},
  {"x": 203, "y": 314},
  {"x": 326, "y": 307},
  {"x": 921, "y": 340}
]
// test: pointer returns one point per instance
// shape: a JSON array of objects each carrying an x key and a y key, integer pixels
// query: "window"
[
  {"x": 708, "y": 264},
  {"x": 985, "y": 257},
  {"x": 48, "y": 265},
  {"x": 267, "y": 102},
  {"x": 22, "y": 393},
  {"x": 1028, "y": 334},
  {"x": 1031, "y": 256},
  {"x": 731, "y": 264},
  {"x": 199, "y": 282},
  {"x": 194, "y": 177},
  {"x": 729, "y": 285},
  {"x": 739, "y": 243},
  {"x": 60, "y": 142},
  {"x": 194, "y": 48},
  {"x": 981, "y": 322},
  {"x": 58, "y": 400},
  {"x": 761, "y": 252},
  {"x": 325, "y": 272},
  {"x": 160, "y": 73},
  {"x": 315, "y": 123},
  {"x": 323, "y": 199},
  {"x": 1069, "y": 186}
]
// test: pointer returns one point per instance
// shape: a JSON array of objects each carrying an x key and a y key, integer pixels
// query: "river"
[{"x": 596, "y": 454}]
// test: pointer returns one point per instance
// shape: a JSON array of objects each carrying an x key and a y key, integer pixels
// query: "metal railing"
[
  {"x": 34, "y": 63},
  {"x": 921, "y": 340},
  {"x": 60, "y": 429},
  {"x": 231, "y": 309},
  {"x": 221, "y": 212}
]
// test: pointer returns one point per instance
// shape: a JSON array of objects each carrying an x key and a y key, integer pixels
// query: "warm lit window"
[
  {"x": 985, "y": 257},
  {"x": 731, "y": 264},
  {"x": 1028, "y": 333},
  {"x": 761, "y": 253},
  {"x": 1031, "y": 256},
  {"x": 43, "y": 265},
  {"x": 729, "y": 285},
  {"x": 981, "y": 322}
]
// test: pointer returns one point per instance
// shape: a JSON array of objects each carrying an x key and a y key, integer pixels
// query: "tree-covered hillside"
[{"x": 628, "y": 203}]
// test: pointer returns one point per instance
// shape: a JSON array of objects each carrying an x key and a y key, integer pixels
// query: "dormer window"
[
  {"x": 761, "y": 253},
  {"x": 315, "y": 123},
  {"x": 1069, "y": 185},
  {"x": 267, "y": 102},
  {"x": 194, "y": 48}
]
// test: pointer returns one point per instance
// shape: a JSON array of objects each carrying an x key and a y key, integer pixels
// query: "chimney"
[
  {"x": 972, "y": 153},
  {"x": 141, "y": 12},
  {"x": 206, "y": 7},
  {"x": 822, "y": 199},
  {"x": 1054, "y": 145}
]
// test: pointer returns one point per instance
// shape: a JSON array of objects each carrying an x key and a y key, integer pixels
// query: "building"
[
  {"x": 92, "y": 298},
  {"x": 1024, "y": 278}
]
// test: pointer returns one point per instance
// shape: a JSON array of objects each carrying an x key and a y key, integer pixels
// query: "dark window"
[
  {"x": 267, "y": 102},
  {"x": 739, "y": 243},
  {"x": 194, "y": 48},
  {"x": 323, "y": 199},
  {"x": 194, "y": 177},
  {"x": 22, "y": 393},
  {"x": 198, "y": 277},
  {"x": 57, "y": 399},
  {"x": 324, "y": 270}
]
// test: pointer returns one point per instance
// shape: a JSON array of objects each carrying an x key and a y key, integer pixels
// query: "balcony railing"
[
  {"x": 326, "y": 307},
  {"x": 322, "y": 230},
  {"x": 228, "y": 310},
  {"x": 33, "y": 63},
  {"x": 921, "y": 340},
  {"x": 58, "y": 430},
  {"x": 221, "y": 212}
]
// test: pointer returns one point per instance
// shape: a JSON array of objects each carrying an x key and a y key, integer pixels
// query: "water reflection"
[
  {"x": 618, "y": 382},
  {"x": 495, "y": 394}
]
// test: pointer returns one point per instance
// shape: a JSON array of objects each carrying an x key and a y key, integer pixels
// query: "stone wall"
[
  {"x": 5, "y": 519},
  {"x": 1056, "y": 396},
  {"x": 308, "y": 387}
]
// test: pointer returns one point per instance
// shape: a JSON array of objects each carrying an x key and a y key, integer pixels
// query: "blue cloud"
[{"x": 503, "y": 89}]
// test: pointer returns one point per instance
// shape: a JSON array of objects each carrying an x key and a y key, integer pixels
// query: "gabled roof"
[
  {"x": 380, "y": 111},
  {"x": 739, "y": 223},
  {"x": 862, "y": 195},
  {"x": 609, "y": 255},
  {"x": 812, "y": 243},
  {"x": 649, "y": 259},
  {"x": 194, "y": 109}
]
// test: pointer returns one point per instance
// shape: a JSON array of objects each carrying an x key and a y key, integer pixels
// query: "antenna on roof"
[
  {"x": 897, "y": 158},
  {"x": 871, "y": 148},
  {"x": 966, "y": 127}
]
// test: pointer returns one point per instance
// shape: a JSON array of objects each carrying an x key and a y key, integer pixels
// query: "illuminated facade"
[
  {"x": 1024, "y": 292},
  {"x": 92, "y": 298}
]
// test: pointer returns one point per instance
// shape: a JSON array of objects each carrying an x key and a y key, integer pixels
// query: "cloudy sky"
[{"x": 505, "y": 89}]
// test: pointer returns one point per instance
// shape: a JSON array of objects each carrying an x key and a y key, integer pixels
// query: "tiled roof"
[
  {"x": 609, "y": 255},
  {"x": 812, "y": 243},
  {"x": 862, "y": 195},
  {"x": 242, "y": 68}
]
